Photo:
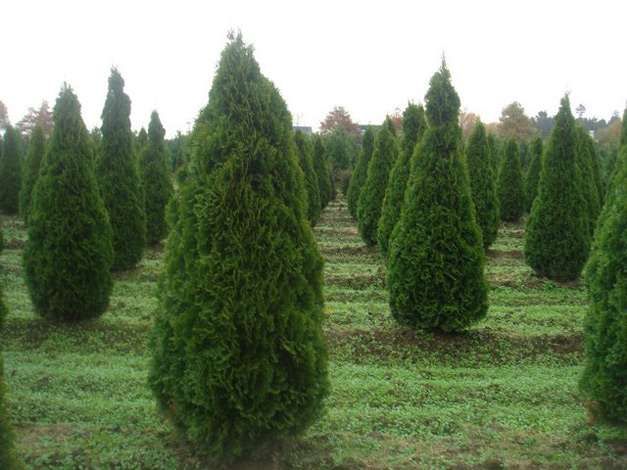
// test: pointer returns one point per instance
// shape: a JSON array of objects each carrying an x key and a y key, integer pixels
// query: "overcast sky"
[{"x": 369, "y": 56}]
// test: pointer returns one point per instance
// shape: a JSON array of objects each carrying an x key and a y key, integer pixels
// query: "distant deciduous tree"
[
  {"x": 544, "y": 123},
  {"x": 4, "y": 116},
  {"x": 515, "y": 124},
  {"x": 36, "y": 117},
  {"x": 467, "y": 121},
  {"x": 339, "y": 118}
]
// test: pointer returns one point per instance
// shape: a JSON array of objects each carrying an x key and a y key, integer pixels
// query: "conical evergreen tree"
[
  {"x": 584, "y": 149},
  {"x": 360, "y": 173},
  {"x": 493, "y": 147},
  {"x": 155, "y": 181},
  {"x": 436, "y": 262},
  {"x": 142, "y": 139},
  {"x": 68, "y": 254},
  {"x": 510, "y": 185},
  {"x": 373, "y": 191},
  {"x": 604, "y": 381},
  {"x": 36, "y": 151},
  {"x": 414, "y": 126},
  {"x": 558, "y": 240},
  {"x": 304, "y": 150},
  {"x": 323, "y": 171},
  {"x": 483, "y": 184},
  {"x": 533, "y": 173},
  {"x": 10, "y": 172},
  {"x": 118, "y": 178},
  {"x": 523, "y": 151},
  {"x": 238, "y": 352}
]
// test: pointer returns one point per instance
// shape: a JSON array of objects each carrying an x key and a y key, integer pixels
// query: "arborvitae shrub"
[
  {"x": 155, "y": 181},
  {"x": 67, "y": 258},
  {"x": 584, "y": 149},
  {"x": 323, "y": 172},
  {"x": 36, "y": 151},
  {"x": 360, "y": 172},
  {"x": 558, "y": 241},
  {"x": 239, "y": 357},
  {"x": 533, "y": 173},
  {"x": 304, "y": 151},
  {"x": 373, "y": 191},
  {"x": 510, "y": 184},
  {"x": 436, "y": 262},
  {"x": 118, "y": 178},
  {"x": 494, "y": 150},
  {"x": 414, "y": 126},
  {"x": 523, "y": 151},
  {"x": 604, "y": 380},
  {"x": 10, "y": 169}
]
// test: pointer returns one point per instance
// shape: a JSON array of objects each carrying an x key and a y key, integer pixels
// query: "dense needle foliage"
[
  {"x": 304, "y": 150},
  {"x": 323, "y": 172},
  {"x": 510, "y": 184},
  {"x": 10, "y": 172},
  {"x": 533, "y": 173},
  {"x": 360, "y": 173},
  {"x": 36, "y": 151},
  {"x": 586, "y": 156}
]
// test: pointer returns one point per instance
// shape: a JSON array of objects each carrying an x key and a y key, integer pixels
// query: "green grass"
[{"x": 502, "y": 395}]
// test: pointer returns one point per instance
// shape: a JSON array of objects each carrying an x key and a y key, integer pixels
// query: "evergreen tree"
[
  {"x": 533, "y": 173},
  {"x": 510, "y": 185},
  {"x": 584, "y": 151},
  {"x": 373, "y": 191},
  {"x": 323, "y": 172},
  {"x": 523, "y": 151},
  {"x": 360, "y": 173},
  {"x": 67, "y": 258},
  {"x": 558, "y": 240},
  {"x": 604, "y": 380},
  {"x": 483, "y": 184},
  {"x": 436, "y": 262},
  {"x": 36, "y": 151},
  {"x": 118, "y": 177},
  {"x": 493, "y": 148},
  {"x": 414, "y": 126},
  {"x": 304, "y": 151},
  {"x": 239, "y": 357},
  {"x": 155, "y": 181},
  {"x": 10, "y": 172},
  {"x": 142, "y": 139}
]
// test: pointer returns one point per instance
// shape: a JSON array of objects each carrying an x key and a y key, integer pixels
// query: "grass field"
[{"x": 502, "y": 395}]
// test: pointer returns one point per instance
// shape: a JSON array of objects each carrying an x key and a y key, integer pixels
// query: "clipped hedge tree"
[
  {"x": 435, "y": 273},
  {"x": 371, "y": 195},
  {"x": 323, "y": 172},
  {"x": 68, "y": 254},
  {"x": 510, "y": 185},
  {"x": 585, "y": 161},
  {"x": 360, "y": 173},
  {"x": 10, "y": 172},
  {"x": 533, "y": 173},
  {"x": 36, "y": 152},
  {"x": 239, "y": 358},
  {"x": 304, "y": 151},
  {"x": 558, "y": 240},
  {"x": 119, "y": 179}
]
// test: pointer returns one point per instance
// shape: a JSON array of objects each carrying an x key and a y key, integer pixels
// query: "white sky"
[{"x": 368, "y": 56}]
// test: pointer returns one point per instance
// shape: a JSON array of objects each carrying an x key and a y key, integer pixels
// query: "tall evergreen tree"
[
  {"x": 373, "y": 191},
  {"x": 36, "y": 151},
  {"x": 510, "y": 184},
  {"x": 585, "y": 155},
  {"x": 10, "y": 169},
  {"x": 360, "y": 173},
  {"x": 414, "y": 126},
  {"x": 558, "y": 241},
  {"x": 323, "y": 172},
  {"x": 304, "y": 150},
  {"x": 483, "y": 184},
  {"x": 493, "y": 147},
  {"x": 68, "y": 254},
  {"x": 436, "y": 262},
  {"x": 533, "y": 173},
  {"x": 155, "y": 181},
  {"x": 239, "y": 357},
  {"x": 118, "y": 177}
]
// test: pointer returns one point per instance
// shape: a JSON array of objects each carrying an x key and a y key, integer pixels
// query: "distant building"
[{"x": 303, "y": 129}]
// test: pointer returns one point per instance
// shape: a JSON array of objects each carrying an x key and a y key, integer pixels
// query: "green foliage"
[
  {"x": 340, "y": 149},
  {"x": 585, "y": 156},
  {"x": 414, "y": 126},
  {"x": 10, "y": 172},
  {"x": 493, "y": 148},
  {"x": 435, "y": 273},
  {"x": 604, "y": 380},
  {"x": 118, "y": 177},
  {"x": 323, "y": 172},
  {"x": 558, "y": 239},
  {"x": 304, "y": 150},
  {"x": 372, "y": 193},
  {"x": 483, "y": 184},
  {"x": 155, "y": 181},
  {"x": 360, "y": 172},
  {"x": 239, "y": 358},
  {"x": 67, "y": 258},
  {"x": 36, "y": 152},
  {"x": 533, "y": 173},
  {"x": 510, "y": 185}
]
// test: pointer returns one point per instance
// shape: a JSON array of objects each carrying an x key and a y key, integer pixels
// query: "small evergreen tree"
[
  {"x": 585, "y": 155},
  {"x": 483, "y": 184},
  {"x": 373, "y": 191},
  {"x": 239, "y": 357},
  {"x": 36, "y": 151},
  {"x": 558, "y": 241},
  {"x": 360, "y": 173},
  {"x": 533, "y": 173},
  {"x": 323, "y": 172},
  {"x": 155, "y": 181},
  {"x": 435, "y": 273},
  {"x": 118, "y": 178},
  {"x": 510, "y": 186},
  {"x": 10, "y": 172},
  {"x": 304, "y": 151},
  {"x": 493, "y": 147},
  {"x": 68, "y": 254},
  {"x": 414, "y": 126},
  {"x": 523, "y": 151}
]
